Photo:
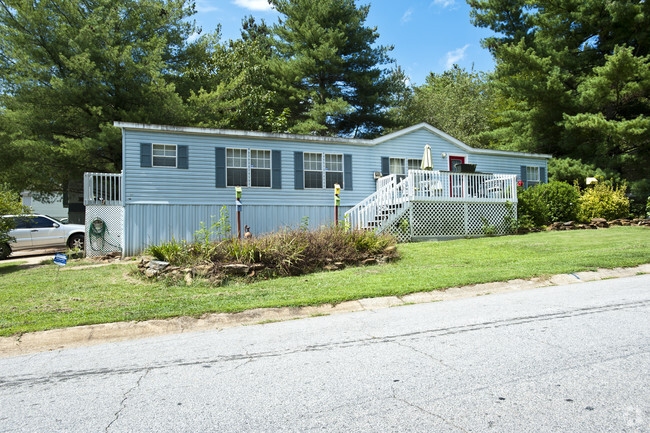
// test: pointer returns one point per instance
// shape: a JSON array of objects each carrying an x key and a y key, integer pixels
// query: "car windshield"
[{"x": 55, "y": 219}]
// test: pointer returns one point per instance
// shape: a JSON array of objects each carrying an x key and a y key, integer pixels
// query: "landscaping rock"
[
  {"x": 157, "y": 265},
  {"x": 369, "y": 261},
  {"x": 331, "y": 268},
  {"x": 188, "y": 278},
  {"x": 569, "y": 223},
  {"x": 235, "y": 269},
  {"x": 151, "y": 273},
  {"x": 339, "y": 265},
  {"x": 390, "y": 250},
  {"x": 201, "y": 270}
]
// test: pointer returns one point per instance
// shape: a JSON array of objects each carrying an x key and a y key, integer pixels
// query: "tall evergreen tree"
[
  {"x": 578, "y": 74},
  {"x": 69, "y": 68},
  {"x": 328, "y": 71}
]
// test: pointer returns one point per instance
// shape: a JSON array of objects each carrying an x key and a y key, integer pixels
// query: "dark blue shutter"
[
  {"x": 220, "y": 167},
  {"x": 542, "y": 175},
  {"x": 347, "y": 172},
  {"x": 183, "y": 158},
  {"x": 145, "y": 154},
  {"x": 298, "y": 179},
  {"x": 276, "y": 170},
  {"x": 524, "y": 176},
  {"x": 385, "y": 166}
]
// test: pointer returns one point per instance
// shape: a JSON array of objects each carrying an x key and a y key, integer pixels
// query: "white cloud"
[
  {"x": 203, "y": 6},
  {"x": 254, "y": 5},
  {"x": 455, "y": 56},
  {"x": 407, "y": 16},
  {"x": 194, "y": 36},
  {"x": 444, "y": 3}
]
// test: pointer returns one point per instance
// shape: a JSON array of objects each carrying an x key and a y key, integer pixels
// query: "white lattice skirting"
[
  {"x": 454, "y": 220},
  {"x": 112, "y": 238}
]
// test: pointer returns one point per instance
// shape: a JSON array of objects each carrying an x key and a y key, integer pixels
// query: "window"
[
  {"x": 333, "y": 170},
  {"x": 316, "y": 176},
  {"x": 397, "y": 166},
  {"x": 415, "y": 164},
  {"x": 313, "y": 164},
  {"x": 236, "y": 167},
  {"x": 164, "y": 155},
  {"x": 261, "y": 168},
  {"x": 532, "y": 176}
]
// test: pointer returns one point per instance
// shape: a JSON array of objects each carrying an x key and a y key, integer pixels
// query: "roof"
[{"x": 319, "y": 139}]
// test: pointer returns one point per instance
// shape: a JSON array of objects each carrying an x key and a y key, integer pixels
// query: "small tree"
[{"x": 9, "y": 205}]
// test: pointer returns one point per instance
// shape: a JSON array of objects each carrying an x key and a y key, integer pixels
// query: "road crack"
[
  {"x": 428, "y": 412},
  {"x": 125, "y": 396}
]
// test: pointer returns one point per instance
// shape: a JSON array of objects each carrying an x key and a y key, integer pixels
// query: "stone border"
[{"x": 88, "y": 335}]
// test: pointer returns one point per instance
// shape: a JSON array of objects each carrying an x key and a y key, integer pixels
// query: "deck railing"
[
  {"x": 436, "y": 186},
  {"x": 103, "y": 189},
  {"x": 376, "y": 209}
]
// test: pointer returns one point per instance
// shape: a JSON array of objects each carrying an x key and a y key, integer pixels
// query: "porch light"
[{"x": 444, "y": 155}]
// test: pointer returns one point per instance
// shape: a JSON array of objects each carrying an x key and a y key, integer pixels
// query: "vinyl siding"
[
  {"x": 148, "y": 224},
  {"x": 196, "y": 184}
]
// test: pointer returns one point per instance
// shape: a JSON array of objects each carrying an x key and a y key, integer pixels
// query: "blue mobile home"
[{"x": 174, "y": 178}]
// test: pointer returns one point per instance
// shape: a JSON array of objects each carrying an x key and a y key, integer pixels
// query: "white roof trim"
[{"x": 336, "y": 140}]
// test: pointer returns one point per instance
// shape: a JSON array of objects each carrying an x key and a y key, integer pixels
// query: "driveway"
[
  {"x": 33, "y": 257},
  {"x": 553, "y": 359}
]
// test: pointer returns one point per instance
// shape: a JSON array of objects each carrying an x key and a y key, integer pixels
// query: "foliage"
[
  {"x": 647, "y": 208},
  {"x": 289, "y": 252},
  {"x": 578, "y": 78},
  {"x": 458, "y": 102},
  {"x": 547, "y": 203},
  {"x": 327, "y": 71},
  {"x": 604, "y": 201},
  {"x": 9, "y": 205},
  {"x": 174, "y": 251},
  {"x": 70, "y": 68},
  {"x": 574, "y": 171},
  {"x": 204, "y": 237}
]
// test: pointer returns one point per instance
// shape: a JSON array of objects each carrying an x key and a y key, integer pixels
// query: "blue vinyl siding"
[{"x": 196, "y": 185}]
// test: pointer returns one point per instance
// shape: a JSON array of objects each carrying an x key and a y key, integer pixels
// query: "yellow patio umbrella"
[{"x": 427, "y": 162}]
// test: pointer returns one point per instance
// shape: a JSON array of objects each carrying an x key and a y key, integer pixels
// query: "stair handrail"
[{"x": 391, "y": 193}]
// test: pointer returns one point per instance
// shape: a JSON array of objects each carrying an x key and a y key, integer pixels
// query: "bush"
[
  {"x": 604, "y": 201},
  {"x": 547, "y": 203},
  {"x": 289, "y": 252},
  {"x": 9, "y": 205},
  {"x": 574, "y": 170}
]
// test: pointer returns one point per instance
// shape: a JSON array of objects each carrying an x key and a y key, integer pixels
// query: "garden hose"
[{"x": 100, "y": 238}]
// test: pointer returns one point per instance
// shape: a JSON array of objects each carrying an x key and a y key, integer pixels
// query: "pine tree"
[{"x": 327, "y": 70}]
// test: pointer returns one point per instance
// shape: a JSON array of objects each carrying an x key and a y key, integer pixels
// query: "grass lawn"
[{"x": 38, "y": 299}]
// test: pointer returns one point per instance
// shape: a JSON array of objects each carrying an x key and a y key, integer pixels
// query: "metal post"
[
  {"x": 337, "y": 202},
  {"x": 239, "y": 207}
]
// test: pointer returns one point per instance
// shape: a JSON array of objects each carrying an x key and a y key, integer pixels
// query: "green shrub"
[
  {"x": 647, "y": 208},
  {"x": 547, "y": 203},
  {"x": 288, "y": 252},
  {"x": 574, "y": 170},
  {"x": 174, "y": 252},
  {"x": 604, "y": 201}
]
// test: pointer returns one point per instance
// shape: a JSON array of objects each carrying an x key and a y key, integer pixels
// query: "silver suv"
[{"x": 41, "y": 231}]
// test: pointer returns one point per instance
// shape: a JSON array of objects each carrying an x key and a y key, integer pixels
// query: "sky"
[{"x": 427, "y": 35}]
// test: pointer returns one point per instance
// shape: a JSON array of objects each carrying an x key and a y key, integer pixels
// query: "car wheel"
[
  {"x": 5, "y": 250},
  {"x": 76, "y": 241}
]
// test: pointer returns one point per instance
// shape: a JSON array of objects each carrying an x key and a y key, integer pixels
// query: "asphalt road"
[{"x": 555, "y": 359}]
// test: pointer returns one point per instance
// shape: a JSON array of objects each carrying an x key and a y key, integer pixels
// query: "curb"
[{"x": 65, "y": 338}]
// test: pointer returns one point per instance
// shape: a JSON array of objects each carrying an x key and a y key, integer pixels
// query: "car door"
[
  {"x": 46, "y": 233},
  {"x": 21, "y": 233}
]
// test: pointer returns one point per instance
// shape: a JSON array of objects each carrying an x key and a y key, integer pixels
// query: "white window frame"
[
  {"x": 153, "y": 146},
  {"x": 269, "y": 168},
  {"x": 249, "y": 167},
  {"x": 323, "y": 169},
  {"x": 245, "y": 167},
  {"x": 533, "y": 180},
  {"x": 403, "y": 165},
  {"x": 418, "y": 166}
]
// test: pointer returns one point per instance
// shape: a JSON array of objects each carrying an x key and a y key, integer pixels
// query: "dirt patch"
[{"x": 111, "y": 332}]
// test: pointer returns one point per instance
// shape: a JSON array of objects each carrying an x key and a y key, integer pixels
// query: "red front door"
[{"x": 456, "y": 182}]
